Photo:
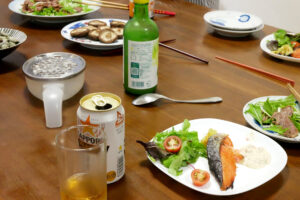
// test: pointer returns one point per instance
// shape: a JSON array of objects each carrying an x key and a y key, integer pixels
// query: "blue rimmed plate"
[
  {"x": 233, "y": 20},
  {"x": 254, "y": 124},
  {"x": 85, "y": 41}
]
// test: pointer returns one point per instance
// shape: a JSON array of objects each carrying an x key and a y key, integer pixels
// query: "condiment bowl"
[{"x": 16, "y": 34}]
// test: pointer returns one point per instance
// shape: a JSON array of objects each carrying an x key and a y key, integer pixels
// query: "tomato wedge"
[
  {"x": 200, "y": 177},
  {"x": 296, "y": 53},
  {"x": 172, "y": 144}
]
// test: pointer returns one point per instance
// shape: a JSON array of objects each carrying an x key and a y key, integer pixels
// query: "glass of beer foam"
[{"x": 82, "y": 169}]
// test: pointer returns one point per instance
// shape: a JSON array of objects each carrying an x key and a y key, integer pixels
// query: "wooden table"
[{"x": 27, "y": 155}]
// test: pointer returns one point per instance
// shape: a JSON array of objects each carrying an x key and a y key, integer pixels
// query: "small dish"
[
  {"x": 235, "y": 33},
  {"x": 16, "y": 34},
  {"x": 232, "y": 20},
  {"x": 16, "y": 7},
  {"x": 246, "y": 178},
  {"x": 252, "y": 122},
  {"x": 86, "y": 42},
  {"x": 263, "y": 46}
]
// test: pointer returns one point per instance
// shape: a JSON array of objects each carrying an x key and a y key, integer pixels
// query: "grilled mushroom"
[
  {"x": 117, "y": 24},
  {"x": 94, "y": 34},
  {"x": 118, "y": 31},
  {"x": 102, "y": 28},
  {"x": 90, "y": 28},
  {"x": 108, "y": 36},
  {"x": 97, "y": 23},
  {"x": 79, "y": 32}
]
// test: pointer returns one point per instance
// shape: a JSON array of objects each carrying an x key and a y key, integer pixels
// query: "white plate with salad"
[
  {"x": 260, "y": 113},
  {"x": 60, "y": 11},
  {"x": 281, "y": 46},
  {"x": 179, "y": 166},
  {"x": 85, "y": 41}
]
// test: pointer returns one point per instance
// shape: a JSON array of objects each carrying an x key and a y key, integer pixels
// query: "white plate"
[
  {"x": 86, "y": 42},
  {"x": 16, "y": 7},
  {"x": 263, "y": 46},
  {"x": 246, "y": 178},
  {"x": 234, "y": 33},
  {"x": 232, "y": 20},
  {"x": 252, "y": 122}
]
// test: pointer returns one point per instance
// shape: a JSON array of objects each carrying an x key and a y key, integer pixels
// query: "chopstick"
[
  {"x": 293, "y": 91},
  {"x": 102, "y": 5},
  {"x": 184, "y": 53},
  {"x": 108, "y": 4},
  {"x": 274, "y": 76},
  {"x": 167, "y": 41}
]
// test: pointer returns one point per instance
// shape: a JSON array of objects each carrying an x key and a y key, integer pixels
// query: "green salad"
[
  {"x": 191, "y": 148},
  {"x": 54, "y": 7},
  {"x": 273, "y": 115},
  {"x": 285, "y": 44}
]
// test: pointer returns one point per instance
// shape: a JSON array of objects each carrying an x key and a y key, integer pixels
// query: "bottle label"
[{"x": 142, "y": 64}]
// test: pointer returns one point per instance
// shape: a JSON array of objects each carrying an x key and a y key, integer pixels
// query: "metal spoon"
[{"x": 152, "y": 97}]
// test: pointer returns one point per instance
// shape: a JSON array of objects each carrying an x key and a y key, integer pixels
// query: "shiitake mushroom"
[
  {"x": 108, "y": 36},
  {"x": 90, "y": 28},
  {"x": 118, "y": 31},
  {"x": 94, "y": 34},
  {"x": 97, "y": 23},
  {"x": 79, "y": 32},
  {"x": 102, "y": 28},
  {"x": 117, "y": 24}
]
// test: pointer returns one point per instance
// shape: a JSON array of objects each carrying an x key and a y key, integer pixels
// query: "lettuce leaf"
[
  {"x": 190, "y": 151},
  {"x": 255, "y": 111}
]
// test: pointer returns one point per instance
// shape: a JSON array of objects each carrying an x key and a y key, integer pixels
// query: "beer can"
[
  {"x": 150, "y": 7},
  {"x": 105, "y": 112}
]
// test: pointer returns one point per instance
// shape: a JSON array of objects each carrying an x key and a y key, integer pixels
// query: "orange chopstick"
[{"x": 275, "y": 76}]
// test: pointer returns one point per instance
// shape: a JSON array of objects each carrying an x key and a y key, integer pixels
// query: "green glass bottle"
[{"x": 140, "y": 51}]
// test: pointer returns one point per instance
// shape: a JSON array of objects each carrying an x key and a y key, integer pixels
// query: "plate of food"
[
  {"x": 51, "y": 11},
  {"x": 275, "y": 116},
  {"x": 215, "y": 156},
  {"x": 102, "y": 34},
  {"x": 282, "y": 45},
  {"x": 10, "y": 40}
]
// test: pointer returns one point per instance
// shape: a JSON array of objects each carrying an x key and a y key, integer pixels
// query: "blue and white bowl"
[{"x": 16, "y": 34}]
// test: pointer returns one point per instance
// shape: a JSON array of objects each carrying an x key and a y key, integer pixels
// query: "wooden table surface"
[{"x": 27, "y": 155}]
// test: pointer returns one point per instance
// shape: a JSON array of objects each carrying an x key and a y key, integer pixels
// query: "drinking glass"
[{"x": 82, "y": 170}]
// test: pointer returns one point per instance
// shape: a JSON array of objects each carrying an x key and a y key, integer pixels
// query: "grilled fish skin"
[
  {"x": 213, "y": 155},
  {"x": 221, "y": 160}
]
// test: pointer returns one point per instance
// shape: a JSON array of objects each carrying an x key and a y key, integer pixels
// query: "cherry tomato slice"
[
  {"x": 172, "y": 144},
  {"x": 200, "y": 177}
]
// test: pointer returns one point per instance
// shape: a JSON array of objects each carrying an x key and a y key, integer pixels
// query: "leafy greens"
[
  {"x": 262, "y": 112},
  {"x": 190, "y": 151}
]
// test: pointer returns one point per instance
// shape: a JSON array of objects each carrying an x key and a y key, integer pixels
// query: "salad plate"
[
  {"x": 246, "y": 178},
  {"x": 16, "y": 7},
  {"x": 232, "y": 20},
  {"x": 263, "y": 46},
  {"x": 86, "y": 42},
  {"x": 254, "y": 124}
]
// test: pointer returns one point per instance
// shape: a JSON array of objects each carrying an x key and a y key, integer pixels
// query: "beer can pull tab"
[{"x": 100, "y": 103}]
